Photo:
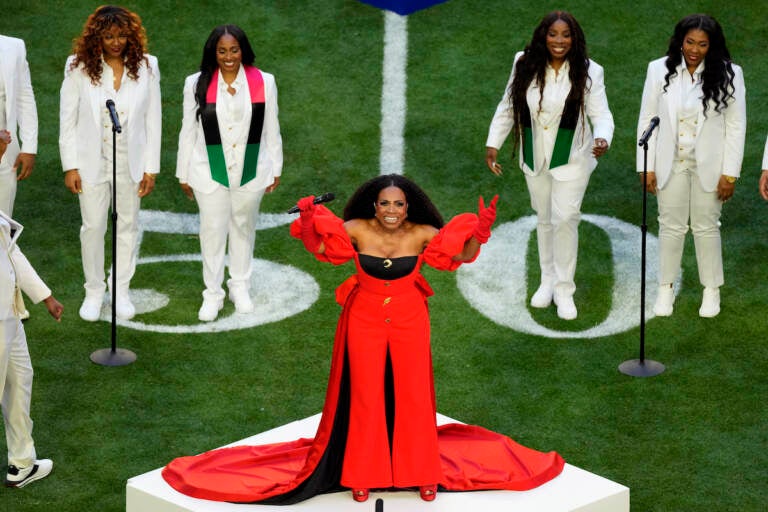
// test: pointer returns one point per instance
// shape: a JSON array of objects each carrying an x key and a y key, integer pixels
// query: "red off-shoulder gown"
[{"x": 365, "y": 440}]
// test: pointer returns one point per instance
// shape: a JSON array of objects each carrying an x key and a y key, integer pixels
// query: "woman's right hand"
[
  {"x": 306, "y": 207},
  {"x": 650, "y": 184},
  {"x": 187, "y": 191},
  {"x": 72, "y": 181},
  {"x": 490, "y": 160}
]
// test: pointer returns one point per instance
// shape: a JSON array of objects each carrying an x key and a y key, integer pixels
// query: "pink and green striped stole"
[
  {"x": 562, "y": 150},
  {"x": 213, "y": 136}
]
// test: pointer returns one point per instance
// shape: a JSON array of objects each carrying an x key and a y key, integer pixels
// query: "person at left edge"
[
  {"x": 110, "y": 61},
  {"x": 17, "y": 110},
  {"x": 764, "y": 176},
  {"x": 230, "y": 154},
  {"x": 17, "y": 275}
]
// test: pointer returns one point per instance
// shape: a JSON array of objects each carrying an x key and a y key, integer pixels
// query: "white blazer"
[
  {"x": 765, "y": 155},
  {"x": 80, "y": 130},
  {"x": 192, "y": 165},
  {"x": 15, "y": 268},
  {"x": 719, "y": 138},
  {"x": 20, "y": 107},
  {"x": 581, "y": 162}
]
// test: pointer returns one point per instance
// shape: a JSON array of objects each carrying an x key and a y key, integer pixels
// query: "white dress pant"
[
  {"x": 95, "y": 201},
  {"x": 558, "y": 210},
  {"x": 16, "y": 391},
  {"x": 681, "y": 199},
  {"x": 7, "y": 188},
  {"x": 227, "y": 213}
]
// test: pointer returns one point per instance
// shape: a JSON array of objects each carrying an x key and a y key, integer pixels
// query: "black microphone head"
[
  {"x": 655, "y": 120},
  {"x": 328, "y": 196},
  {"x": 379, "y": 505},
  {"x": 110, "y": 103}
]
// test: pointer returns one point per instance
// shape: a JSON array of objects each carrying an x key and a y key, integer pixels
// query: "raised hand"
[{"x": 486, "y": 218}]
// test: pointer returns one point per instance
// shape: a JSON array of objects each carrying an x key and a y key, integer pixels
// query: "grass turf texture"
[{"x": 692, "y": 437}]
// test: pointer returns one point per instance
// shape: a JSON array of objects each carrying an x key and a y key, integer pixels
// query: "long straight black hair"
[{"x": 209, "y": 64}]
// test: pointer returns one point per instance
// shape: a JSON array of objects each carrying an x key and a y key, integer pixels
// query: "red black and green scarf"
[
  {"x": 562, "y": 150},
  {"x": 213, "y": 136}
]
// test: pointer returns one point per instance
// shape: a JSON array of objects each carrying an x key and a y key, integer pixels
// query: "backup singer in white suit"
[
  {"x": 694, "y": 159},
  {"x": 764, "y": 176},
  {"x": 230, "y": 154},
  {"x": 552, "y": 90},
  {"x": 110, "y": 62},
  {"x": 17, "y": 275},
  {"x": 17, "y": 110}
]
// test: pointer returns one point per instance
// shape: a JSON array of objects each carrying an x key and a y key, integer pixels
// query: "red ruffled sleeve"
[
  {"x": 450, "y": 241},
  {"x": 338, "y": 246}
]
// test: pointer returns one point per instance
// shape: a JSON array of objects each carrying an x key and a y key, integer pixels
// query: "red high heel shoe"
[
  {"x": 428, "y": 492},
  {"x": 360, "y": 494}
]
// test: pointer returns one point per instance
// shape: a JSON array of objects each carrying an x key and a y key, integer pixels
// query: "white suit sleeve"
[
  {"x": 25, "y": 104},
  {"x": 154, "y": 118},
  {"x": 188, "y": 132},
  {"x": 765, "y": 154},
  {"x": 29, "y": 282},
  {"x": 68, "y": 107},
  {"x": 648, "y": 109},
  {"x": 597, "y": 105},
  {"x": 735, "y": 126},
  {"x": 503, "y": 120},
  {"x": 273, "y": 139}
]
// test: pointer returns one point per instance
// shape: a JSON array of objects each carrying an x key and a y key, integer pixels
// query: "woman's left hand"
[
  {"x": 486, "y": 216},
  {"x": 600, "y": 147},
  {"x": 274, "y": 185},
  {"x": 147, "y": 184},
  {"x": 725, "y": 189}
]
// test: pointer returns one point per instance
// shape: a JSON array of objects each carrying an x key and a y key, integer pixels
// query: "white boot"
[
  {"x": 664, "y": 300},
  {"x": 710, "y": 303},
  {"x": 543, "y": 296}
]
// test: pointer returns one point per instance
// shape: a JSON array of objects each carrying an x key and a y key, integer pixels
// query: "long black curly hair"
[
  {"x": 421, "y": 210},
  {"x": 717, "y": 77},
  {"x": 209, "y": 64},
  {"x": 532, "y": 65}
]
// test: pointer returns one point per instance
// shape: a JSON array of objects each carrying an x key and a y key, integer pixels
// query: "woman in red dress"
[{"x": 378, "y": 428}]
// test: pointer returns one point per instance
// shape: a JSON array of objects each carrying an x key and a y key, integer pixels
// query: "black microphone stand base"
[
  {"x": 641, "y": 368},
  {"x": 113, "y": 357}
]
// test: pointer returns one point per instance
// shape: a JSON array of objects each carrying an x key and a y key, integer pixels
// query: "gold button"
[
  {"x": 386, "y": 301},
  {"x": 234, "y": 145},
  {"x": 546, "y": 127},
  {"x": 387, "y": 320},
  {"x": 386, "y": 283}
]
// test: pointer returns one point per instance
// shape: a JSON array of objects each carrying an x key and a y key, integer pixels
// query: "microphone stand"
[
  {"x": 642, "y": 367},
  {"x": 114, "y": 356}
]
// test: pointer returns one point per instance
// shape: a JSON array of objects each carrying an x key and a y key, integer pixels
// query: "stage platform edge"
[{"x": 574, "y": 490}]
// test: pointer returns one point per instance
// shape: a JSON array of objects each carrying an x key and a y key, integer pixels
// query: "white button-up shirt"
[{"x": 121, "y": 107}]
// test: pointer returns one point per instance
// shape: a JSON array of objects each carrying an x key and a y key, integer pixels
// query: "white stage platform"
[{"x": 574, "y": 490}]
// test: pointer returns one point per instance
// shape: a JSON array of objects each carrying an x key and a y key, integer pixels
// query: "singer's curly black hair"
[
  {"x": 717, "y": 77},
  {"x": 421, "y": 210}
]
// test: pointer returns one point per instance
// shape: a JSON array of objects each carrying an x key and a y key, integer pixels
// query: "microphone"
[
  {"x": 319, "y": 199},
  {"x": 115, "y": 121},
  {"x": 648, "y": 131}
]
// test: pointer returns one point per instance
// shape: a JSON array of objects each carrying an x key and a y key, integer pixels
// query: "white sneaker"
[
  {"x": 664, "y": 300},
  {"x": 566, "y": 309},
  {"x": 543, "y": 296},
  {"x": 710, "y": 303},
  {"x": 210, "y": 310},
  {"x": 124, "y": 308},
  {"x": 242, "y": 300},
  {"x": 90, "y": 311},
  {"x": 19, "y": 477}
]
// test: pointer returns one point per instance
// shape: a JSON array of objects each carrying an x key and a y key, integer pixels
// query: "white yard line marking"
[{"x": 393, "y": 101}]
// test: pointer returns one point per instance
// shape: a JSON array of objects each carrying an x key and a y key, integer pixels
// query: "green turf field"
[{"x": 693, "y": 438}]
